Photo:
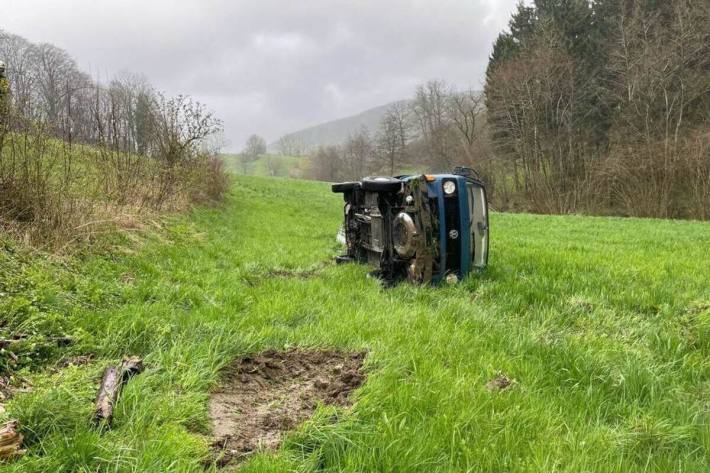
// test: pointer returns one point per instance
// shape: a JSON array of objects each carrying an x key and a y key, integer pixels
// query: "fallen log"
[
  {"x": 10, "y": 441},
  {"x": 111, "y": 383}
]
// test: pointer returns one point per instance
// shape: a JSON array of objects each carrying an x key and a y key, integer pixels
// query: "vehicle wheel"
[
  {"x": 344, "y": 186},
  {"x": 404, "y": 233},
  {"x": 381, "y": 184}
]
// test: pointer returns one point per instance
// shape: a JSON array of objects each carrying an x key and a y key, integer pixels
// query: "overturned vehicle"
[{"x": 422, "y": 228}]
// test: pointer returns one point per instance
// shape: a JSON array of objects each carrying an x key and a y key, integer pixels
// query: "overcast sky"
[{"x": 272, "y": 66}]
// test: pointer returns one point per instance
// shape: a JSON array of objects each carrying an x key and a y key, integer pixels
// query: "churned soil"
[
  {"x": 264, "y": 395},
  {"x": 500, "y": 382}
]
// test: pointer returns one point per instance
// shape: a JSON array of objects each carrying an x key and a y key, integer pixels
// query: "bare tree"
[
  {"x": 290, "y": 145},
  {"x": 464, "y": 110},
  {"x": 273, "y": 165},
  {"x": 55, "y": 70},
  {"x": 17, "y": 53},
  {"x": 146, "y": 148},
  {"x": 393, "y": 135},
  {"x": 433, "y": 123},
  {"x": 358, "y": 154},
  {"x": 658, "y": 78},
  {"x": 325, "y": 164},
  {"x": 133, "y": 104},
  {"x": 536, "y": 115},
  {"x": 254, "y": 147},
  {"x": 182, "y": 124}
]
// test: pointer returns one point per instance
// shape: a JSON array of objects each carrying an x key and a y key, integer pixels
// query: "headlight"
[{"x": 449, "y": 187}]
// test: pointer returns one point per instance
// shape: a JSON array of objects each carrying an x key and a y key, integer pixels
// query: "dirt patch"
[
  {"x": 303, "y": 273},
  {"x": 698, "y": 308},
  {"x": 267, "y": 394},
  {"x": 257, "y": 277},
  {"x": 79, "y": 360},
  {"x": 299, "y": 273},
  {"x": 500, "y": 382}
]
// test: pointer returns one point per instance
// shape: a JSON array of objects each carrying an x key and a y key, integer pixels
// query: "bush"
[{"x": 54, "y": 191}]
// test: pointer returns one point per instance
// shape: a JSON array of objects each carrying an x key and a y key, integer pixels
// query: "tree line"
[
  {"x": 439, "y": 128},
  {"x": 597, "y": 107},
  {"x": 602, "y": 106},
  {"x": 72, "y": 147}
]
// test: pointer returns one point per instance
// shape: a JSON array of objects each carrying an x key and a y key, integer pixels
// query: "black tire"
[
  {"x": 381, "y": 184},
  {"x": 341, "y": 187}
]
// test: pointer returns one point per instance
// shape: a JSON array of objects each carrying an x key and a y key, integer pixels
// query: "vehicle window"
[
  {"x": 471, "y": 229},
  {"x": 478, "y": 231}
]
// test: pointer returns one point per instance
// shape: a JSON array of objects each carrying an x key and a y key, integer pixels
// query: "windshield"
[{"x": 478, "y": 214}]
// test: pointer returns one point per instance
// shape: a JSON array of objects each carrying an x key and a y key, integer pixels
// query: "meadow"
[
  {"x": 272, "y": 165},
  {"x": 601, "y": 326}
]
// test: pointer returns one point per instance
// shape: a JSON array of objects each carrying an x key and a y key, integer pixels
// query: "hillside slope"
[
  {"x": 583, "y": 347},
  {"x": 337, "y": 131}
]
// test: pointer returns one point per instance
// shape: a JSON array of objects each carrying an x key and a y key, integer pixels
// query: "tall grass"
[
  {"x": 54, "y": 193},
  {"x": 603, "y": 324}
]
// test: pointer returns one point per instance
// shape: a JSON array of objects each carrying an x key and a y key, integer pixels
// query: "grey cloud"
[{"x": 269, "y": 66}]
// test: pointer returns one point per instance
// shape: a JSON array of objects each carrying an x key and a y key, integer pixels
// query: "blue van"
[{"x": 423, "y": 228}]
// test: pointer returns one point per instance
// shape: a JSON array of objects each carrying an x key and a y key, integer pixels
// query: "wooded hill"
[
  {"x": 604, "y": 106},
  {"x": 329, "y": 133},
  {"x": 598, "y": 107}
]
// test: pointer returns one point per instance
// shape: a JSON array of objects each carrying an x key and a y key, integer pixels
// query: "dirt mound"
[
  {"x": 500, "y": 382},
  {"x": 265, "y": 395}
]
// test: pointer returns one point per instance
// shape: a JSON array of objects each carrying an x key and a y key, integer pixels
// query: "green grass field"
[
  {"x": 603, "y": 323},
  {"x": 273, "y": 165}
]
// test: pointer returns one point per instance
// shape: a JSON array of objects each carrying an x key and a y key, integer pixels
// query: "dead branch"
[
  {"x": 10, "y": 441},
  {"x": 113, "y": 380}
]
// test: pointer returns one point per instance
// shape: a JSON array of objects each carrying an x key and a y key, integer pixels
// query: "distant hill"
[{"x": 336, "y": 132}]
